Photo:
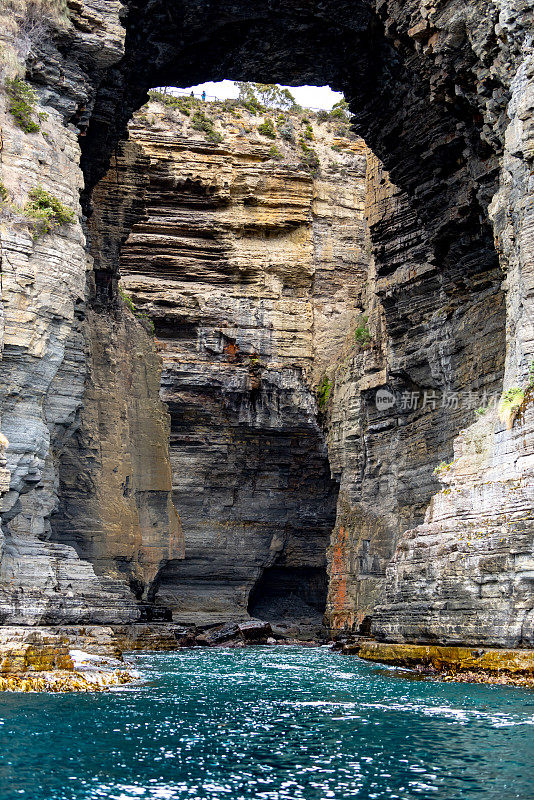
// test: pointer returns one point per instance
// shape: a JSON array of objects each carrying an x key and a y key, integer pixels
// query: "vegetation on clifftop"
[
  {"x": 300, "y": 137},
  {"x": 267, "y": 128},
  {"x": 25, "y": 23},
  {"x": 262, "y": 96},
  {"x": 200, "y": 122},
  {"x": 309, "y": 158}
]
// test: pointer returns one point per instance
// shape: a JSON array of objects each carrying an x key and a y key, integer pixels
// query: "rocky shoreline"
[
  {"x": 46, "y": 660},
  {"x": 491, "y": 665},
  {"x": 91, "y": 658},
  {"x": 97, "y": 680}
]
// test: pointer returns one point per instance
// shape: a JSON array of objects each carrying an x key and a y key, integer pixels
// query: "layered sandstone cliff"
[
  {"x": 442, "y": 93},
  {"x": 59, "y": 563},
  {"x": 252, "y": 270}
]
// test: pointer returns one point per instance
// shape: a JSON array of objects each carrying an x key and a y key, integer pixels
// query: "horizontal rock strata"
[
  {"x": 59, "y": 562},
  {"x": 442, "y": 93},
  {"x": 429, "y": 336},
  {"x": 455, "y": 659},
  {"x": 252, "y": 271}
]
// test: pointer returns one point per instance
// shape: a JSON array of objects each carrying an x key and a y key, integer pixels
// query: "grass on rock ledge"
[
  {"x": 129, "y": 303},
  {"x": 43, "y": 212}
]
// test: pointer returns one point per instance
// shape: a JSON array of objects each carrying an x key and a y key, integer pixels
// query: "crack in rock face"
[{"x": 411, "y": 303}]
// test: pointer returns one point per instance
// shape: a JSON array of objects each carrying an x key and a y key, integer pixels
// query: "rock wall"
[
  {"x": 429, "y": 336},
  {"x": 465, "y": 575},
  {"x": 57, "y": 563},
  {"x": 115, "y": 504},
  {"x": 442, "y": 93},
  {"x": 430, "y": 87},
  {"x": 252, "y": 271}
]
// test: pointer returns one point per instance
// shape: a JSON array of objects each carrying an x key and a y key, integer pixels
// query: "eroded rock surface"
[
  {"x": 60, "y": 563},
  {"x": 252, "y": 271},
  {"x": 430, "y": 332},
  {"x": 442, "y": 93}
]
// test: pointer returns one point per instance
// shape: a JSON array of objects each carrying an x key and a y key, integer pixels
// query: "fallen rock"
[
  {"x": 350, "y": 648},
  {"x": 254, "y": 630},
  {"x": 222, "y": 633}
]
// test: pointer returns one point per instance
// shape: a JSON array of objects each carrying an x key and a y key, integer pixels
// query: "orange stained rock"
[
  {"x": 231, "y": 349},
  {"x": 338, "y": 579}
]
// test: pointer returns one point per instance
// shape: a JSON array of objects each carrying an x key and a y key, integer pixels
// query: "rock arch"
[
  {"x": 430, "y": 108},
  {"x": 433, "y": 90}
]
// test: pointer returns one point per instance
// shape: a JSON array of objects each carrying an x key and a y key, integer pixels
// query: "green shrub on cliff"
[
  {"x": 127, "y": 300},
  {"x": 267, "y": 128},
  {"x": 309, "y": 158},
  {"x": 340, "y": 110},
  {"x": 200, "y": 122},
  {"x": 342, "y": 130},
  {"x": 43, "y": 213},
  {"x": 275, "y": 153},
  {"x": 287, "y": 132},
  {"x": 22, "y": 102},
  {"x": 442, "y": 468},
  {"x": 510, "y": 404},
  {"x": 362, "y": 335},
  {"x": 47, "y": 212},
  {"x": 141, "y": 316},
  {"x": 516, "y": 399},
  {"x": 253, "y": 106},
  {"x": 146, "y": 321},
  {"x": 323, "y": 392}
]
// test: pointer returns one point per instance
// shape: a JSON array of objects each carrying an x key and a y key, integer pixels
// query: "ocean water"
[{"x": 269, "y": 723}]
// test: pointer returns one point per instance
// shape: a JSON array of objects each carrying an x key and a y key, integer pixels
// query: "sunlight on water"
[{"x": 270, "y": 724}]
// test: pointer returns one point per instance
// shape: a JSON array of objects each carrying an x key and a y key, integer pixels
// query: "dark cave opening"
[
  {"x": 289, "y": 593},
  {"x": 252, "y": 495}
]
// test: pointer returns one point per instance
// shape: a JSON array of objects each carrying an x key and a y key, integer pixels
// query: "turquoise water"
[{"x": 269, "y": 723}]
